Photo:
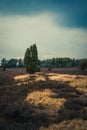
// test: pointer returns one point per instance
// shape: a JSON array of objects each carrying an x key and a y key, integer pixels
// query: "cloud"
[
  {"x": 19, "y": 32},
  {"x": 73, "y": 12}
]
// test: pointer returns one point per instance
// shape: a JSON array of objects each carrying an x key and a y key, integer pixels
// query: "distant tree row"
[
  {"x": 49, "y": 63},
  {"x": 32, "y": 64},
  {"x": 12, "y": 63},
  {"x": 59, "y": 62}
]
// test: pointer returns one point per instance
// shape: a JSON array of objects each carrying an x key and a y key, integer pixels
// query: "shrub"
[
  {"x": 83, "y": 64},
  {"x": 37, "y": 68}
]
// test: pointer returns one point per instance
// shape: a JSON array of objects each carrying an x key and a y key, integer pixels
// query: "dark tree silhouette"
[
  {"x": 31, "y": 59},
  {"x": 4, "y": 64}
]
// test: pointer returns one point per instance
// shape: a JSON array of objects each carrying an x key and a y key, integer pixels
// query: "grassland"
[{"x": 47, "y": 100}]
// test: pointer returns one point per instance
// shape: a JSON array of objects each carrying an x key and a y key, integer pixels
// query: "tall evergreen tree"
[
  {"x": 31, "y": 59},
  {"x": 27, "y": 59},
  {"x": 35, "y": 54}
]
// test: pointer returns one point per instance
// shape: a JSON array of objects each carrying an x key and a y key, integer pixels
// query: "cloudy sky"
[{"x": 58, "y": 27}]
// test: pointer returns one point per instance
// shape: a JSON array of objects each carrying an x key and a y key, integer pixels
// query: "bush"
[
  {"x": 83, "y": 64},
  {"x": 37, "y": 68},
  {"x": 49, "y": 67},
  {"x": 4, "y": 67}
]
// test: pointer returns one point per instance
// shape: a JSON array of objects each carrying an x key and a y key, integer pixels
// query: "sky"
[{"x": 58, "y": 27}]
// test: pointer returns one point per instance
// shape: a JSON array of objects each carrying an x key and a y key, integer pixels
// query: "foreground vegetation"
[{"x": 44, "y": 100}]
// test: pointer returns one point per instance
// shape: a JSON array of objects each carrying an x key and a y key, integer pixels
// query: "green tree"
[
  {"x": 12, "y": 63},
  {"x": 31, "y": 59},
  {"x": 20, "y": 63},
  {"x": 35, "y": 54},
  {"x": 27, "y": 59},
  {"x": 4, "y": 64}
]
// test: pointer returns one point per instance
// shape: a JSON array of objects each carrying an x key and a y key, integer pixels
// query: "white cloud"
[{"x": 19, "y": 32}]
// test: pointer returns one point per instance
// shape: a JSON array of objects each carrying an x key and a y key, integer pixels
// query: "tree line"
[
  {"x": 54, "y": 62},
  {"x": 33, "y": 64},
  {"x": 12, "y": 63},
  {"x": 60, "y": 62}
]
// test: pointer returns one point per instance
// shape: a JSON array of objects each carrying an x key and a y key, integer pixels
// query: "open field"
[{"x": 47, "y": 100}]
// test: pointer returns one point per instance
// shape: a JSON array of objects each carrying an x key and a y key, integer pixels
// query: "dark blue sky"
[{"x": 73, "y": 12}]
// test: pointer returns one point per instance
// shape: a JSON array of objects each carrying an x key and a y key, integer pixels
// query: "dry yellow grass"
[
  {"x": 43, "y": 98},
  {"x": 75, "y": 80},
  {"x": 68, "y": 125},
  {"x": 21, "y": 77}
]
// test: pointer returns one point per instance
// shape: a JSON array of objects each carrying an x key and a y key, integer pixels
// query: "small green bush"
[
  {"x": 83, "y": 64},
  {"x": 37, "y": 68}
]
